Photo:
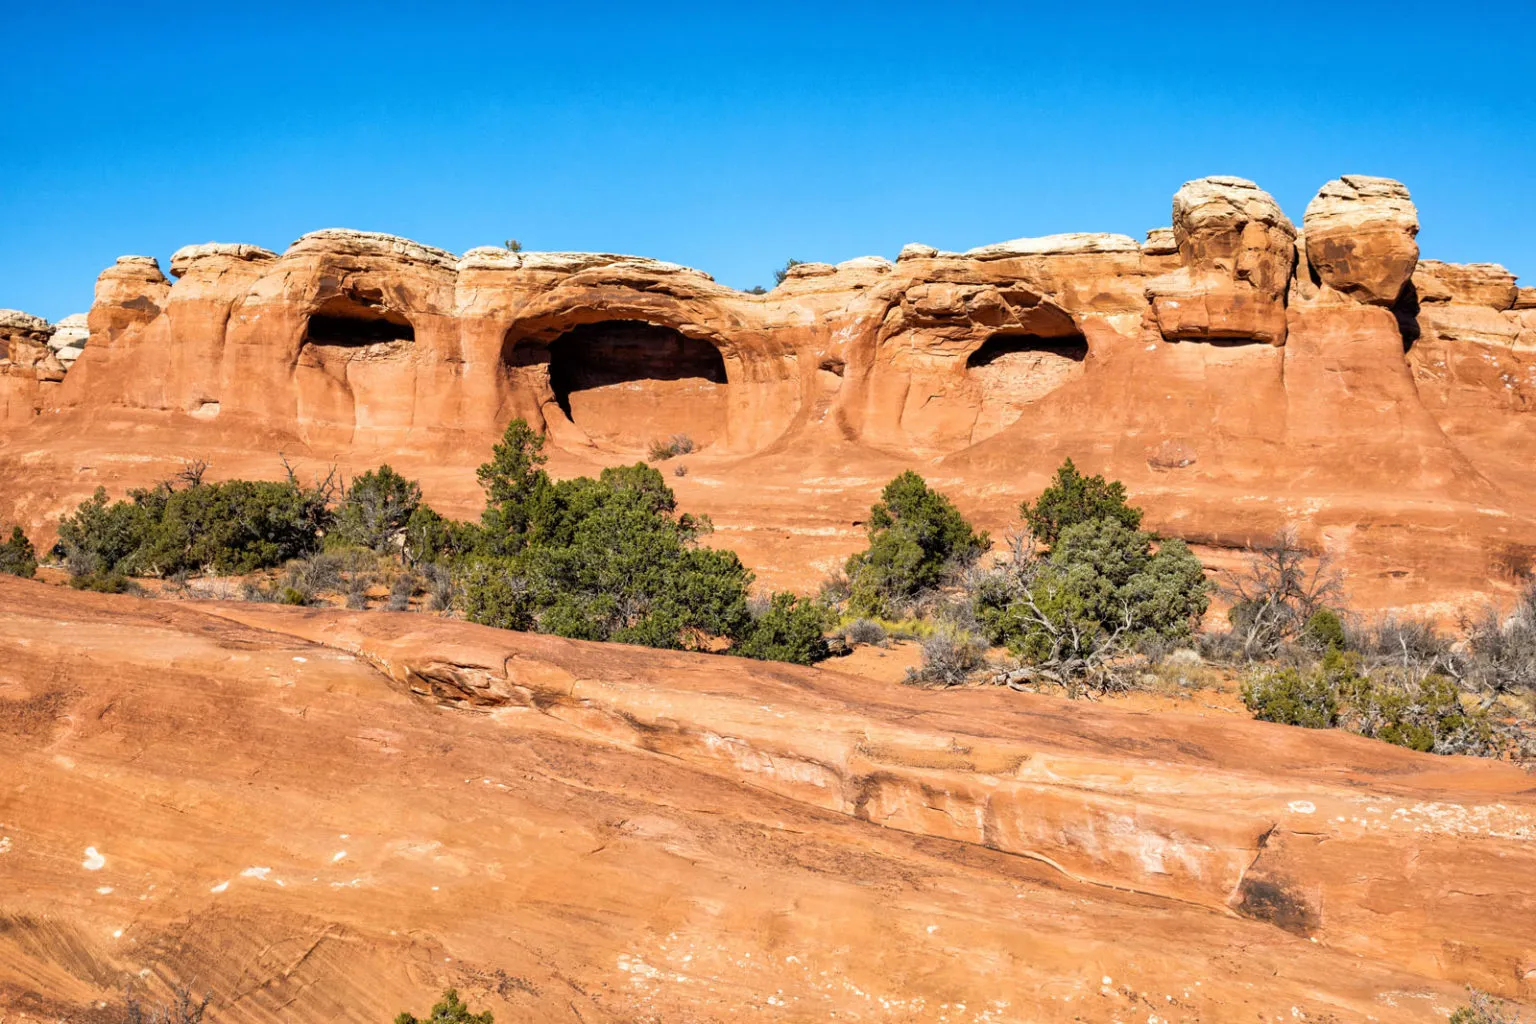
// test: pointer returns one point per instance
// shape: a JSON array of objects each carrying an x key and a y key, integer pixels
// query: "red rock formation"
[
  {"x": 29, "y": 371},
  {"x": 1393, "y": 430},
  {"x": 320, "y": 815}
]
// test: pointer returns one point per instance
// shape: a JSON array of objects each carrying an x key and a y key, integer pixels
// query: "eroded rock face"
[
  {"x": 1361, "y": 237},
  {"x": 29, "y": 369},
  {"x": 1237, "y": 249},
  {"x": 1164, "y": 364}
]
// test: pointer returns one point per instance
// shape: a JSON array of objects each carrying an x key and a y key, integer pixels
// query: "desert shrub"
[
  {"x": 496, "y": 593},
  {"x": 604, "y": 559},
  {"x": 790, "y": 629},
  {"x": 105, "y": 583},
  {"x": 181, "y": 1009},
  {"x": 780, "y": 274},
  {"x": 1482, "y": 1008},
  {"x": 866, "y": 631},
  {"x": 950, "y": 657},
  {"x": 1101, "y": 593},
  {"x": 448, "y": 1010},
  {"x": 1501, "y": 651},
  {"x": 402, "y": 590},
  {"x": 677, "y": 444},
  {"x": 1292, "y": 697},
  {"x": 1073, "y": 499},
  {"x": 357, "y": 591},
  {"x": 757, "y": 289},
  {"x": 443, "y": 588},
  {"x": 103, "y": 534},
  {"x": 680, "y": 470},
  {"x": 1408, "y": 643},
  {"x": 375, "y": 509},
  {"x": 835, "y": 590},
  {"x": 1421, "y": 713},
  {"x": 916, "y": 535},
  {"x": 233, "y": 527},
  {"x": 430, "y": 537},
  {"x": 17, "y": 556},
  {"x": 1277, "y": 593},
  {"x": 1324, "y": 631}
]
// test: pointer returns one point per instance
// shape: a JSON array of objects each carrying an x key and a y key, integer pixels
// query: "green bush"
[
  {"x": 17, "y": 556},
  {"x": 605, "y": 559},
  {"x": 449, "y": 1010},
  {"x": 1324, "y": 631},
  {"x": 1424, "y": 714},
  {"x": 1102, "y": 592},
  {"x": 790, "y": 629},
  {"x": 915, "y": 535},
  {"x": 430, "y": 537},
  {"x": 234, "y": 527},
  {"x": 375, "y": 509},
  {"x": 1291, "y": 697},
  {"x": 1074, "y": 499}
]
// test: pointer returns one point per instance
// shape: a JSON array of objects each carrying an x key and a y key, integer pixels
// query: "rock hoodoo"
[
  {"x": 1238, "y": 376},
  {"x": 1360, "y": 237}
]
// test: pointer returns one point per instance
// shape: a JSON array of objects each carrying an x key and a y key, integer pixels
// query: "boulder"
[
  {"x": 1361, "y": 237},
  {"x": 1237, "y": 251}
]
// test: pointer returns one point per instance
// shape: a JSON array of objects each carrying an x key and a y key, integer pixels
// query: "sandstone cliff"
[{"x": 1239, "y": 375}]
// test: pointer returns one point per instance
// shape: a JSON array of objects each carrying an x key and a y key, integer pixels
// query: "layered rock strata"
[{"x": 1237, "y": 374}]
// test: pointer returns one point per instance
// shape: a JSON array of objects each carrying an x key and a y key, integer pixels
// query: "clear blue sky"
[{"x": 730, "y": 136}]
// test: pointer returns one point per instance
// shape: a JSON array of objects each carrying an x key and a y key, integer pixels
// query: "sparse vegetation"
[
  {"x": 950, "y": 657},
  {"x": 1276, "y": 596},
  {"x": 448, "y": 1010},
  {"x": 1482, "y": 1008},
  {"x": 866, "y": 631},
  {"x": 677, "y": 444},
  {"x": 181, "y": 1008},
  {"x": 17, "y": 556},
  {"x": 783, "y": 272},
  {"x": 374, "y": 510}
]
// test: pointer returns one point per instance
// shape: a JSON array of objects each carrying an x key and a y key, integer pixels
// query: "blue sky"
[{"x": 732, "y": 136}]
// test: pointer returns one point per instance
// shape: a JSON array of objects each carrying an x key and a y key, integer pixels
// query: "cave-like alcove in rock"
[
  {"x": 627, "y": 383},
  {"x": 1012, "y": 371}
]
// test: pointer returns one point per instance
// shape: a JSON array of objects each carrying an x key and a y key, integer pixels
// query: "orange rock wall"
[{"x": 1235, "y": 384}]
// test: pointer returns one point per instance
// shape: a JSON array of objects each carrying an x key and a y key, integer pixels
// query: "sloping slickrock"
[{"x": 319, "y": 815}]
